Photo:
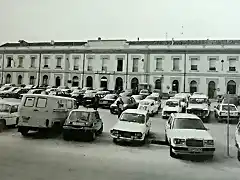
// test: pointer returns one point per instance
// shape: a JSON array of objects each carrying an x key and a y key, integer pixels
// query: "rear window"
[
  {"x": 29, "y": 102},
  {"x": 41, "y": 102}
]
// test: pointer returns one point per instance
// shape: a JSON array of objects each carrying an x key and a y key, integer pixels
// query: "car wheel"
[
  {"x": 115, "y": 140},
  {"x": 66, "y": 137},
  {"x": 92, "y": 136},
  {"x": 100, "y": 130},
  {"x": 2, "y": 125},
  {"x": 24, "y": 132},
  {"x": 172, "y": 154},
  {"x": 166, "y": 140}
]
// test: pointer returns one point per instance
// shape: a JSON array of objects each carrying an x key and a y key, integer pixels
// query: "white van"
[{"x": 38, "y": 111}]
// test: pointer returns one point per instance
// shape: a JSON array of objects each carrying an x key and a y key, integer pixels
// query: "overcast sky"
[{"x": 80, "y": 20}]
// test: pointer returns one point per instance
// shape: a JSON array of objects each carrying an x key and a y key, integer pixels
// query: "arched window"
[
  {"x": 158, "y": 84},
  {"x": 119, "y": 84},
  {"x": 104, "y": 82},
  {"x": 58, "y": 81},
  {"x": 211, "y": 89},
  {"x": 175, "y": 85},
  {"x": 75, "y": 81},
  {"x": 8, "y": 79},
  {"x": 231, "y": 87},
  {"x": 31, "y": 80},
  {"x": 45, "y": 80},
  {"x": 89, "y": 82},
  {"x": 193, "y": 86},
  {"x": 19, "y": 79}
]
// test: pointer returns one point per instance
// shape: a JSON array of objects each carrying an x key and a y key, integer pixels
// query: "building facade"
[{"x": 208, "y": 66}]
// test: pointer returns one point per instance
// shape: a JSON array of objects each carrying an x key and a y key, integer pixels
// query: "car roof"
[
  {"x": 147, "y": 100},
  {"x": 198, "y": 96},
  {"x": 10, "y": 103},
  {"x": 136, "y": 111},
  {"x": 185, "y": 115},
  {"x": 173, "y": 99},
  {"x": 47, "y": 96},
  {"x": 181, "y": 95},
  {"x": 81, "y": 109}
]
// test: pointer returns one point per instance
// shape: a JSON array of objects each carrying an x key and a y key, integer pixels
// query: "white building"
[{"x": 208, "y": 66}]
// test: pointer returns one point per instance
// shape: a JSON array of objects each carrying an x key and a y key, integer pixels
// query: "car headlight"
[
  {"x": 138, "y": 135},
  {"x": 209, "y": 142},
  {"x": 178, "y": 141},
  {"x": 114, "y": 132}
]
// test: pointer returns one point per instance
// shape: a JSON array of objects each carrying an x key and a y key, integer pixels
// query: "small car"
[
  {"x": 18, "y": 92},
  {"x": 231, "y": 98},
  {"x": 237, "y": 140},
  {"x": 129, "y": 103},
  {"x": 187, "y": 135},
  {"x": 133, "y": 125},
  {"x": 7, "y": 93},
  {"x": 157, "y": 100},
  {"x": 149, "y": 106},
  {"x": 8, "y": 114},
  {"x": 82, "y": 122},
  {"x": 89, "y": 98},
  {"x": 221, "y": 112},
  {"x": 144, "y": 92},
  {"x": 199, "y": 105},
  {"x": 171, "y": 106},
  {"x": 138, "y": 98},
  {"x": 107, "y": 100}
]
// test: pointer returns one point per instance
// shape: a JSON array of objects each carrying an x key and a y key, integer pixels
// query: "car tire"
[
  {"x": 172, "y": 154},
  {"x": 238, "y": 155},
  {"x": 100, "y": 130},
  {"x": 2, "y": 125},
  {"x": 166, "y": 140},
  {"x": 66, "y": 137},
  {"x": 92, "y": 136},
  {"x": 24, "y": 132},
  {"x": 115, "y": 140}
]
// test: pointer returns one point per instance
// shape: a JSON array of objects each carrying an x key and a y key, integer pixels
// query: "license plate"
[
  {"x": 78, "y": 123},
  {"x": 196, "y": 150}
]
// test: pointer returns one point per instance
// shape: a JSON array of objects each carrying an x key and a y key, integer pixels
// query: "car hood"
[
  {"x": 197, "y": 106},
  {"x": 190, "y": 133},
  {"x": 167, "y": 108},
  {"x": 129, "y": 126}
]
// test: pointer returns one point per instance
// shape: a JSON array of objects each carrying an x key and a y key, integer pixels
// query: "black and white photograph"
[{"x": 119, "y": 89}]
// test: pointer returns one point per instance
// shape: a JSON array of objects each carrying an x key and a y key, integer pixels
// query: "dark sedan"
[
  {"x": 18, "y": 93},
  {"x": 88, "y": 99},
  {"x": 107, "y": 100},
  {"x": 129, "y": 103}
]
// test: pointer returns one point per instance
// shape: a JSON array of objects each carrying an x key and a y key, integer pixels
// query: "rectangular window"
[
  {"x": 90, "y": 68},
  {"x": 59, "y": 62},
  {"x": 104, "y": 64},
  {"x": 9, "y": 62},
  {"x": 120, "y": 64},
  {"x": 33, "y": 59},
  {"x": 212, "y": 64},
  {"x": 135, "y": 65},
  {"x": 176, "y": 64},
  {"x": 41, "y": 103},
  {"x": 46, "y": 62},
  {"x": 69, "y": 104},
  {"x": 232, "y": 64},
  {"x": 159, "y": 64},
  {"x": 20, "y": 61},
  {"x": 29, "y": 102},
  {"x": 76, "y": 66},
  {"x": 194, "y": 63}
]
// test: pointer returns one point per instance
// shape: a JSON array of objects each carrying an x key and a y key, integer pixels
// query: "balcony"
[
  {"x": 89, "y": 68},
  {"x": 232, "y": 69},
  {"x": 75, "y": 67}
]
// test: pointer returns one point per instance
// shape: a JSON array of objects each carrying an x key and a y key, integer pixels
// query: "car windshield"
[
  {"x": 172, "y": 103},
  {"x": 110, "y": 96},
  {"x": 133, "y": 117},
  {"x": 4, "y": 108},
  {"x": 231, "y": 108},
  {"x": 188, "y": 123},
  {"x": 137, "y": 97},
  {"x": 152, "y": 97},
  {"x": 144, "y": 103},
  {"x": 79, "y": 116},
  {"x": 198, "y": 100}
]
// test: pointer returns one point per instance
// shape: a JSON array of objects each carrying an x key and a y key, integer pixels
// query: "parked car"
[
  {"x": 5, "y": 88},
  {"x": 157, "y": 100},
  {"x": 129, "y": 103},
  {"x": 18, "y": 93},
  {"x": 133, "y": 125},
  {"x": 89, "y": 98},
  {"x": 149, "y": 106},
  {"x": 7, "y": 93},
  {"x": 144, "y": 92},
  {"x": 237, "y": 140},
  {"x": 199, "y": 105},
  {"x": 82, "y": 122},
  {"x": 172, "y": 93},
  {"x": 8, "y": 114},
  {"x": 138, "y": 98},
  {"x": 187, "y": 135},
  {"x": 231, "y": 98},
  {"x": 108, "y": 100},
  {"x": 221, "y": 112},
  {"x": 171, "y": 106}
]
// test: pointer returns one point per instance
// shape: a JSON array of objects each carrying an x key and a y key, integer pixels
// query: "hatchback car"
[
  {"x": 221, "y": 112},
  {"x": 82, "y": 123}
]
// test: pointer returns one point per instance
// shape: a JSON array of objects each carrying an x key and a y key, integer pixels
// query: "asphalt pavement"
[{"x": 44, "y": 158}]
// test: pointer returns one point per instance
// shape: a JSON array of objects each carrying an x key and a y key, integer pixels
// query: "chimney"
[{"x": 99, "y": 38}]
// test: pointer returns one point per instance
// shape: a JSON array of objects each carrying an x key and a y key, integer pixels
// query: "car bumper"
[
  {"x": 231, "y": 118},
  {"x": 120, "y": 138},
  {"x": 186, "y": 150},
  {"x": 74, "y": 130}
]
